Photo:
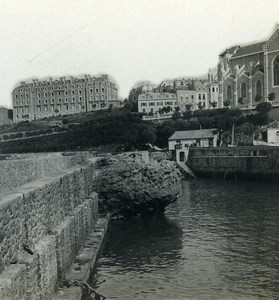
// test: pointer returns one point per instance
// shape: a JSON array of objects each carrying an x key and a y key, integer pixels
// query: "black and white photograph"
[{"x": 139, "y": 149}]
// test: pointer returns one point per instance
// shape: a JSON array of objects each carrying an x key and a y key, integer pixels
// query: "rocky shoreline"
[{"x": 131, "y": 184}]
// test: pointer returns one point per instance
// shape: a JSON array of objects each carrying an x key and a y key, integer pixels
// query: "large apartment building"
[{"x": 47, "y": 98}]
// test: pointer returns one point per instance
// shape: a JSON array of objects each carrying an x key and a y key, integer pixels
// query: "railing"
[{"x": 156, "y": 117}]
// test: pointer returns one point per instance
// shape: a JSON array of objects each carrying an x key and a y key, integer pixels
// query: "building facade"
[
  {"x": 194, "y": 96},
  {"x": 152, "y": 103},
  {"x": 47, "y": 98},
  {"x": 4, "y": 117},
  {"x": 250, "y": 74}
]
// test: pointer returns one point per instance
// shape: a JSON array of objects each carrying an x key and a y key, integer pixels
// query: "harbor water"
[{"x": 220, "y": 240}]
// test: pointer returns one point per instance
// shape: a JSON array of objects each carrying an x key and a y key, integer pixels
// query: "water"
[{"x": 219, "y": 241}]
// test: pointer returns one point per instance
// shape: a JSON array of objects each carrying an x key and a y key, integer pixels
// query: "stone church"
[{"x": 249, "y": 74}]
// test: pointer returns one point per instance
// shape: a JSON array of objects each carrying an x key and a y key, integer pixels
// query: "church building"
[{"x": 249, "y": 74}]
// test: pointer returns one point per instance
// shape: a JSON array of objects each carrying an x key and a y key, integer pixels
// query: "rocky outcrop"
[{"x": 129, "y": 186}]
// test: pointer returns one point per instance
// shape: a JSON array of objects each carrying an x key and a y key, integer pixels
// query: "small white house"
[
  {"x": 180, "y": 141},
  {"x": 273, "y": 136},
  {"x": 198, "y": 138}
]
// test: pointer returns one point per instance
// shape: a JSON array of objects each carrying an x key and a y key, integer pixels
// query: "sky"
[{"x": 131, "y": 40}]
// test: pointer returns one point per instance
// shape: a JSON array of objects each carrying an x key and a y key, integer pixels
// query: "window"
[
  {"x": 45, "y": 101},
  {"x": 213, "y": 90},
  {"x": 229, "y": 92},
  {"x": 276, "y": 71},
  {"x": 199, "y": 96},
  {"x": 103, "y": 97},
  {"x": 143, "y": 104},
  {"x": 73, "y": 99},
  {"x": 79, "y": 91},
  {"x": 52, "y": 93},
  {"x": 192, "y": 97},
  {"x": 91, "y": 91},
  {"x": 97, "y": 90},
  {"x": 73, "y": 92},
  {"x": 66, "y": 99},
  {"x": 259, "y": 88},
  {"x": 103, "y": 90},
  {"x": 45, "y": 94},
  {"x": 217, "y": 89},
  {"x": 203, "y": 97},
  {"x": 59, "y": 100},
  {"x": 209, "y": 90},
  {"x": 52, "y": 100},
  {"x": 39, "y": 101},
  {"x": 80, "y": 98},
  {"x": 66, "y": 93},
  {"x": 243, "y": 91},
  {"x": 151, "y": 103}
]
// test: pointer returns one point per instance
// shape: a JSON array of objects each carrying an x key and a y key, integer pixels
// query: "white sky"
[{"x": 132, "y": 40}]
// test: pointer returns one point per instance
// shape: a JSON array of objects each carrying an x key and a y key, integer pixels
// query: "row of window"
[
  {"x": 243, "y": 90},
  {"x": 44, "y": 88},
  {"x": 97, "y": 90},
  {"x": 59, "y": 100},
  {"x": 158, "y": 103},
  {"x": 213, "y": 89}
]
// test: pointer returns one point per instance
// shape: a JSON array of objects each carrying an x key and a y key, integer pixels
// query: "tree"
[
  {"x": 258, "y": 98},
  {"x": 200, "y": 105},
  {"x": 263, "y": 107},
  {"x": 227, "y": 103},
  {"x": 176, "y": 115},
  {"x": 188, "y": 106},
  {"x": 271, "y": 96},
  {"x": 213, "y": 104},
  {"x": 240, "y": 101},
  {"x": 177, "y": 108},
  {"x": 187, "y": 115}
]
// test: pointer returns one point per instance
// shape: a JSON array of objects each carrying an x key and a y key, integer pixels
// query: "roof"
[
  {"x": 249, "y": 49},
  {"x": 193, "y": 134},
  {"x": 229, "y": 50},
  {"x": 157, "y": 96}
]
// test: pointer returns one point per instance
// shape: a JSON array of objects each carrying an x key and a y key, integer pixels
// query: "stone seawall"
[
  {"x": 16, "y": 170},
  {"x": 236, "y": 162},
  {"x": 43, "y": 224}
]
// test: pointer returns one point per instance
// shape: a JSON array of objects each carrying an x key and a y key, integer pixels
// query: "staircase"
[{"x": 183, "y": 165}]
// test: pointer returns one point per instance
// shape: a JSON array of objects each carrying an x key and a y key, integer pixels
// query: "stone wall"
[
  {"x": 243, "y": 162},
  {"x": 16, "y": 170},
  {"x": 43, "y": 224}
]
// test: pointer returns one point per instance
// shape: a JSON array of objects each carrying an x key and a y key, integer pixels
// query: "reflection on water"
[{"x": 219, "y": 241}]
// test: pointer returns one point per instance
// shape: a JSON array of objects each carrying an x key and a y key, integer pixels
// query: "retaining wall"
[
  {"x": 43, "y": 224},
  {"x": 243, "y": 162},
  {"x": 16, "y": 170}
]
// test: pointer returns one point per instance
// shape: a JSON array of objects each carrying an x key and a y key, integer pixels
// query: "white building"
[
  {"x": 201, "y": 138},
  {"x": 152, "y": 103}
]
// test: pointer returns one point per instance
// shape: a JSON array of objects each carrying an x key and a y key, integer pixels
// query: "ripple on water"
[{"x": 220, "y": 240}]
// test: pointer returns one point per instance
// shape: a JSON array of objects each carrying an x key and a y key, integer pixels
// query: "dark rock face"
[{"x": 128, "y": 186}]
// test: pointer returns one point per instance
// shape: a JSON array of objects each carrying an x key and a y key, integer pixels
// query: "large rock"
[{"x": 129, "y": 186}]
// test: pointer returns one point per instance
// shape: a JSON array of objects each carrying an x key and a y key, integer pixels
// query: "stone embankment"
[
  {"x": 50, "y": 228},
  {"x": 254, "y": 162}
]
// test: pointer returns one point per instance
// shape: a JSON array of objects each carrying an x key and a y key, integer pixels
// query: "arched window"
[
  {"x": 276, "y": 71},
  {"x": 243, "y": 90},
  {"x": 229, "y": 92},
  {"x": 259, "y": 88}
]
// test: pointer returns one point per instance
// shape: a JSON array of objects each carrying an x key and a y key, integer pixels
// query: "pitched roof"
[
  {"x": 249, "y": 49},
  {"x": 229, "y": 50},
  {"x": 193, "y": 134}
]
